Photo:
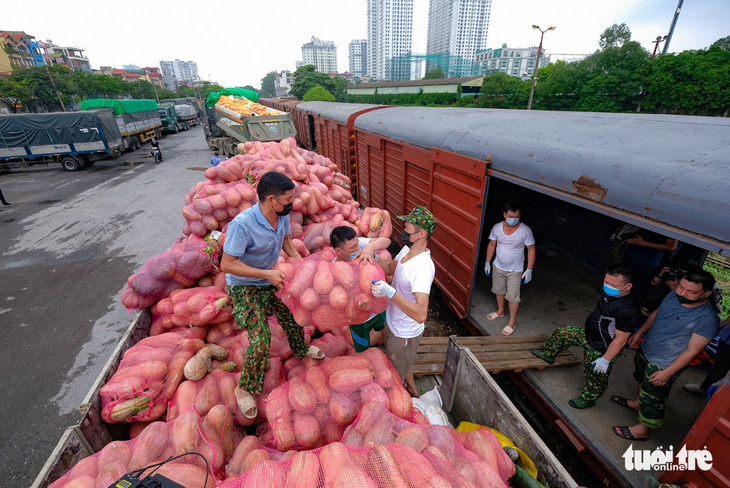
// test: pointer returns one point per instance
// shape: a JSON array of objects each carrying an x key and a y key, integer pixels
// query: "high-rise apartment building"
[
  {"x": 180, "y": 70},
  {"x": 358, "y": 57},
  {"x": 457, "y": 29},
  {"x": 390, "y": 31},
  {"x": 322, "y": 54},
  {"x": 515, "y": 61}
]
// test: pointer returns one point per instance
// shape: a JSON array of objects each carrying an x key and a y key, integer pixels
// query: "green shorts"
[{"x": 361, "y": 332}]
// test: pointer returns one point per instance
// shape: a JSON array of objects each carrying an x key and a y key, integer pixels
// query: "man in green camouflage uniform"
[
  {"x": 254, "y": 239},
  {"x": 606, "y": 331}
]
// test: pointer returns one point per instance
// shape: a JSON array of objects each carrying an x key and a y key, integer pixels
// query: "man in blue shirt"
[
  {"x": 215, "y": 159},
  {"x": 676, "y": 332},
  {"x": 254, "y": 239}
]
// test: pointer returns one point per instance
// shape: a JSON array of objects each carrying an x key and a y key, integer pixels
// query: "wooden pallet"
[{"x": 496, "y": 354}]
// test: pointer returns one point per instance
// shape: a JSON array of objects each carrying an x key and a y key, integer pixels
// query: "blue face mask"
[
  {"x": 352, "y": 256},
  {"x": 512, "y": 221},
  {"x": 611, "y": 291}
]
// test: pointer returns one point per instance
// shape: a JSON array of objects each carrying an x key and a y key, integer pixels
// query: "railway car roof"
[
  {"x": 338, "y": 112},
  {"x": 668, "y": 173}
]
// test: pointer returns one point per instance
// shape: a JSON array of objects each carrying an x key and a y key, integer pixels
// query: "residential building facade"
[
  {"x": 71, "y": 56},
  {"x": 15, "y": 51},
  {"x": 457, "y": 29},
  {"x": 390, "y": 33},
  {"x": 358, "y": 57},
  {"x": 322, "y": 54},
  {"x": 283, "y": 82},
  {"x": 513, "y": 61},
  {"x": 180, "y": 70}
]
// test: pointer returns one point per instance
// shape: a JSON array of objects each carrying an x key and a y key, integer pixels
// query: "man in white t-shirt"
[
  {"x": 360, "y": 250},
  {"x": 509, "y": 238},
  {"x": 413, "y": 272}
]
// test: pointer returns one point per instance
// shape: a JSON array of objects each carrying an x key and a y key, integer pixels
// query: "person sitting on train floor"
[
  {"x": 602, "y": 338},
  {"x": 643, "y": 253},
  {"x": 662, "y": 283},
  {"x": 676, "y": 332},
  {"x": 360, "y": 250},
  {"x": 719, "y": 351},
  {"x": 509, "y": 239}
]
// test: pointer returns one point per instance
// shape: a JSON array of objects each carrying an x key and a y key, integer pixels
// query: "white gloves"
[
  {"x": 487, "y": 269},
  {"x": 601, "y": 365},
  {"x": 526, "y": 276},
  {"x": 383, "y": 289}
]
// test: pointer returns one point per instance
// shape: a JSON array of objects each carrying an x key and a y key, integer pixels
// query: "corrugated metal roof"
[
  {"x": 663, "y": 168},
  {"x": 390, "y": 84},
  {"x": 338, "y": 112}
]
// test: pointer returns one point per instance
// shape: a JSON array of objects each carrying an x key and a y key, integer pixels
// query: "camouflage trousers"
[
  {"x": 652, "y": 398},
  {"x": 571, "y": 335},
  {"x": 252, "y": 307}
]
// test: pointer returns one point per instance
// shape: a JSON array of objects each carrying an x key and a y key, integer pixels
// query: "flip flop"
[
  {"x": 626, "y": 433},
  {"x": 507, "y": 330},
  {"x": 314, "y": 352},
  {"x": 494, "y": 315},
  {"x": 246, "y": 403},
  {"x": 624, "y": 402}
]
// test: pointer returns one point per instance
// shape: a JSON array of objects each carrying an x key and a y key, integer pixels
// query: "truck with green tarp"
[
  {"x": 73, "y": 139},
  {"x": 138, "y": 120},
  {"x": 225, "y": 128}
]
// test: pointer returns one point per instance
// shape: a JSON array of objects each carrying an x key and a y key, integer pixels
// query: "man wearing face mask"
[
  {"x": 509, "y": 239},
  {"x": 360, "y": 250},
  {"x": 413, "y": 272},
  {"x": 676, "y": 332},
  {"x": 254, "y": 239},
  {"x": 606, "y": 331}
]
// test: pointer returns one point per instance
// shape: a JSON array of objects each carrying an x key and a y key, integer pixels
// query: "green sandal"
[
  {"x": 580, "y": 402},
  {"x": 539, "y": 353}
]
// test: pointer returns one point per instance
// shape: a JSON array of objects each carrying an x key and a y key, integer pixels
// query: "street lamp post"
[
  {"x": 537, "y": 64},
  {"x": 656, "y": 45}
]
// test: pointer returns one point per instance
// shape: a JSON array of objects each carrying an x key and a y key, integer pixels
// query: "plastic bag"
[
  {"x": 179, "y": 267},
  {"x": 315, "y": 407},
  {"x": 328, "y": 295},
  {"x": 148, "y": 376},
  {"x": 430, "y": 405}
]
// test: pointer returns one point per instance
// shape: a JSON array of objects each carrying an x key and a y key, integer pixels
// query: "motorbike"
[{"x": 157, "y": 154}]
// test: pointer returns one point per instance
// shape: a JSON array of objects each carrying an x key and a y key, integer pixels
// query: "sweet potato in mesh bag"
[
  {"x": 179, "y": 267},
  {"x": 215, "y": 211},
  {"x": 479, "y": 457},
  {"x": 315, "y": 407},
  {"x": 212, "y": 435},
  {"x": 148, "y": 376},
  {"x": 195, "y": 306},
  {"x": 329, "y": 294}
]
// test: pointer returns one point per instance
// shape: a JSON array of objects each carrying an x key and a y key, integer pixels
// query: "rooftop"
[{"x": 389, "y": 84}]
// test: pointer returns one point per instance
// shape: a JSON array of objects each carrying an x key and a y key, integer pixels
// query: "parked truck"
[
  {"x": 177, "y": 117},
  {"x": 187, "y": 114},
  {"x": 138, "y": 120},
  {"x": 233, "y": 118},
  {"x": 73, "y": 139}
]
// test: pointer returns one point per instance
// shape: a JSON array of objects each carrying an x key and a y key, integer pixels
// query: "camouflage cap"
[{"x": 422, "y": 217}]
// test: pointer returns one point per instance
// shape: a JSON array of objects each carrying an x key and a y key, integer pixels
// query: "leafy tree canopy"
[
  {"x": 268, "y": 89},
  {"x": 306, "y": 78},
  {"x": 615, "y": 36},
  {"x": 434, "y": 74},
  {"x": 318, "y": 93}
]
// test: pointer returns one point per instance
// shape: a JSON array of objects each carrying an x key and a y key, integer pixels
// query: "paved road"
[{"x": 69, "y": 243}]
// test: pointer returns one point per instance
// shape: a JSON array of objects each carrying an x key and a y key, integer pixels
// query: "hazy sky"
[{"x": 238, "y": 42}]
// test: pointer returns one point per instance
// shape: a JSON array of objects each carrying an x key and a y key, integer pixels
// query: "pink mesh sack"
[
  {"x": 478, "y": 457},
  {"x": 213, "y": 212},
  {"x": 147, "y": 377},
  {"x": 179, "y": 267},
  {"x": 315, "y": 407},
  {"x": 375, "y": 222},
  {"x": 279, "y": 346},
  {"x": 195, "y": 306},
  {"x": 330, "y": 345},
  {"x": 251, "y": 452},
  {"x": 213, "y": 436},
  {"x": 329, "y": 295}
]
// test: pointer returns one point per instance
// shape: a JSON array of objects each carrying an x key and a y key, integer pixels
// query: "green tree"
[
  {"x": 500, "y": 90},
  {"x": 615, "y": 36},
  {"x": 268, "y": 89},
  {"x": 340, "y": 85},
  {"x": 185, "y": 91},
  {"x": 434, "y": 74},
  {"x": 306, "y": 77},
  {"x": 560, "y": 86},
  {"x": 723, "y": 43},
  {"x": 14, "y": 93},
  {"x": 318, "y": 93}
]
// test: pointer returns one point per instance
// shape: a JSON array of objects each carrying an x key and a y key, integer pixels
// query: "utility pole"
[
  {"x": 537, "y": 64},
  {"x": 55, "y": 89},
  {"x": 671, "y": 28},
  {"x": 656, "y": 45}
]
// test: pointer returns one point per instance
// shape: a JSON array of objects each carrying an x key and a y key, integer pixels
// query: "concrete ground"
[
  {"x": 563, "y": 294},
  {"x": 69, "y": 243}
]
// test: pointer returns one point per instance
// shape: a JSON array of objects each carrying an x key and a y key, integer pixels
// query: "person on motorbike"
[{"x": 155, "y": 146}]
